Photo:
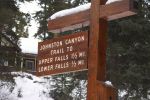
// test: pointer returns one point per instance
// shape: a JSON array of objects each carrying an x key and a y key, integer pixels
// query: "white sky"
[{"x": 30, "y": 7}]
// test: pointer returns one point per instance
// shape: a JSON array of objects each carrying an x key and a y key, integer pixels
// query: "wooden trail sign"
[
  {"x": 98, "y": 15},
  {"x": 63, "y": 54}
]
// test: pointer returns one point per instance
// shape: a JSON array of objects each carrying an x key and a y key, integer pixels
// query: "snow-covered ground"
[
  {"x": 27, "y": 87},
  {"x": 30, "y": 87}
]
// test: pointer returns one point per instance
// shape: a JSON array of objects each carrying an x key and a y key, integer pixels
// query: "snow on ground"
[
  {"x": 81, "y": 90},
  {"x": 5, "y": 91},
  {"x": 27, "y": 87}
]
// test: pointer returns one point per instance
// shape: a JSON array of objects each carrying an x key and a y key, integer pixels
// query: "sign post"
[
  {"x": 97, "y": 52},
  {"x": 57, "y": 56}
]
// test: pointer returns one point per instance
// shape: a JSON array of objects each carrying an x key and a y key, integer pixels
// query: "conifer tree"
[
  {"x": 128, "y": 53},
  {"x": 48, "y": 7},
  {"x": 13, "y": 24},
  {"x": 11, "y": 18}
]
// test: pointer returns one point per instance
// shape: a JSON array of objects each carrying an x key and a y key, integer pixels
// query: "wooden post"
[
  {"x": 97, "y": 50},
  {"x": 106, "y": 92}
]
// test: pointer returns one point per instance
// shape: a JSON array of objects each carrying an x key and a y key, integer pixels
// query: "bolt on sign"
[{"x": 63, "y": 54}]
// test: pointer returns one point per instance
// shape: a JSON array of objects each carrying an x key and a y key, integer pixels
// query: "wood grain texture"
[
  {"x": 96, "y": 57},
  {"x": 106, "y": 92},
  {"x": 68, "y": 20}
]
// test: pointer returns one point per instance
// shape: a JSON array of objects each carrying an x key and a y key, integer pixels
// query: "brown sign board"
[{"x": 63, "y": 54}]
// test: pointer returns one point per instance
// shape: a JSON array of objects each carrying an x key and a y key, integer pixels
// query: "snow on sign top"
[
  {"x": 75, "y": 10},
  {"x": 29, "y": 45}
]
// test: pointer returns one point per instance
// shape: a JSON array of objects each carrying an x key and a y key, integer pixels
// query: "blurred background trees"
[
  {"x": 128, "y": 59},
  {"x": 11, "y": 18},
  {"x": 128, "y": 53}
]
